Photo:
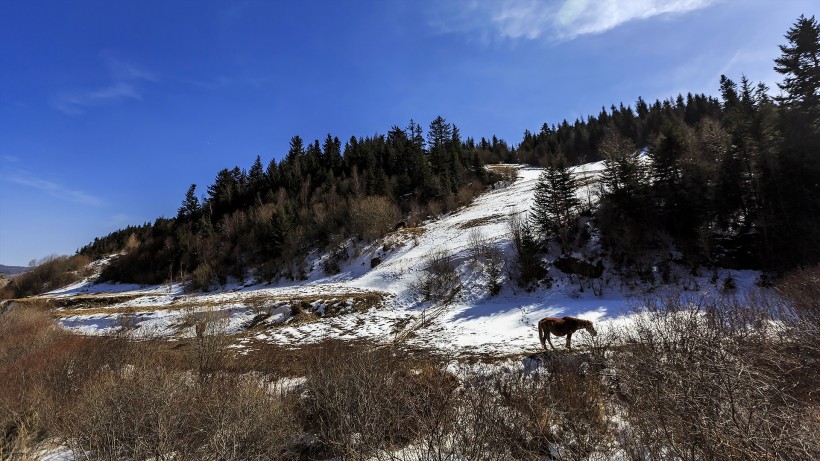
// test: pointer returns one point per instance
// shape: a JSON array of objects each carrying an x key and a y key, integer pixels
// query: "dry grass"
[
  {"x": 88, "y": 300},
  {"x": 335, "y": 304},
  {"x": 409, "y": 232},
  {"x": 399, "y": 237},
  {"x": 481, "y": 221},
  {"x": 715, "y": 380},
  {"x": 504, "y": 173},
  {"x": 113, "y": 310}
]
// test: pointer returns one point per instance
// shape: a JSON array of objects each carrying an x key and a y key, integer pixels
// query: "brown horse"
[{"x": 560, "y": 327}]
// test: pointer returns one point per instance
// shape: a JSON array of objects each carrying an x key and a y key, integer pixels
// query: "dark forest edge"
[{"x": 732, "y": 182}]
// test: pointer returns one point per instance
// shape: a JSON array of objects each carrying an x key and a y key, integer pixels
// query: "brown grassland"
[{"x": 714, "y": 379}]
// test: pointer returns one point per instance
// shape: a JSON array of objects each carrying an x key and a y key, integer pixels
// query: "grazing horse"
[{"x": 560, "y": 327}]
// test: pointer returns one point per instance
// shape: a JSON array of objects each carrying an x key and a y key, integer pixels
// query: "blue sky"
[{"x": 109, "y": 110}]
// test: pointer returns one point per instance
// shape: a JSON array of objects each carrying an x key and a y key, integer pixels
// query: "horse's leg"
[
  {"x": 569, "y": 338},
  {"x": 550, "y": 341},
  {"x": 542, "y": 332}
]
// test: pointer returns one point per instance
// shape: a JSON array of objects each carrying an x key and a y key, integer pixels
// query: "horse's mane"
[{"x": 582, "y": 322}]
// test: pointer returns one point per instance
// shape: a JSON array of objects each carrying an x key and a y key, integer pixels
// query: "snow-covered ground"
[{"x": 474, "y": 322}]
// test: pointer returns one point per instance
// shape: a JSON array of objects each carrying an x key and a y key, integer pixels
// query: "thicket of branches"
[
  {"x": 49, "y": 273},
  {"x": 723, "y": 378}
]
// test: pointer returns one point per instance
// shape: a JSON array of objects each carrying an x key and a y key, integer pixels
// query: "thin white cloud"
[
  {"x": 120, "y": 220},
  {"x": 756, "y": 63},
  {"x": 551, "y": 19},
  {"x": 580, "y": 17},
  {"x": 126, "y": 83},
  {"x": 528, "y": 19},
  {"x": 54, "y": 189},
  {"x": 223, "y": 82}
]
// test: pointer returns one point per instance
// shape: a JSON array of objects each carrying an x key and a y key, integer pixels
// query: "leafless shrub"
[
  {"x": 557, "y": 413},
  {"x": 798, "y": 314},
  {"x": 801, "y": 289},
  {"x": 434, "y": 208},
  {"x": 202, "y": 279},
  {"x": 371, "y": 404},
  {"x": 49, "y": 273},
  {"x": 440, "y": 280},
  {"x": 502, "y": 176},
  {"x": 41, "y": 368},
  {"x": 24, "y": 332},
  {"x": 259, "y": 305},
  {"x": 109, "y": 398},
  {"x": 131, "y": 413},
  {"x": 373, "y": 216},
  {"x": 331, "y": 265},
  {"x": 149, "y": 412},
  {"x": 701, "y": 380},
  {"x": 209, "y": 340},
  {"x": 486, "y": 255},
  {"x": 723, "y": 378},
  {"x": 477, "y": 244},
  {"x": 245, "y": 420},
  {"x": 363, "y": 402}
]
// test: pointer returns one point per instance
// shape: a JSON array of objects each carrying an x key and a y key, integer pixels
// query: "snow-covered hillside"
[{"x": 379, "y": 303}]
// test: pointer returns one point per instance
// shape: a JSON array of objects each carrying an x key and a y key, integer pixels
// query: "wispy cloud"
[
  {"x": 24, "y": 178},
  {"x": 223, "y": 82},
  {"x": 551, "y": 19},
  {"x": 756, "y": 63},
  {"x": 120, "y": 220},
  {"x": 126, "y": 82}
]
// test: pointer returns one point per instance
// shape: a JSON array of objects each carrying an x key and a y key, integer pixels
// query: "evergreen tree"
[
  {"x": 190, "y": 206},
  {"x": 223, "y": 193},
  {"x": 332, "y": 153},
  {"x": 440, "y": 158},
  {"x": 794, "y": 190},
  {"x": 272, "y": 175},
  {"x": 800, "y": 64},
  {"x": 256, "y": 180},
  {"x": 624, "y": 174},
  {"x": 666, "y": 168},
  {"x": 440, "y": 132},
  {"x": 290, "y": 169},
  {"x": 555, "y": 205},
  {"x": 415, "y": 133}
]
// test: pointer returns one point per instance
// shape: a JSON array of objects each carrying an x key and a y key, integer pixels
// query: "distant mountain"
[{"x": 12, "y": 270}]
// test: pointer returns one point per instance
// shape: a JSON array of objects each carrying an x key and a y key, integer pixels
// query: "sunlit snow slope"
[{"x": 471, "y": 322}]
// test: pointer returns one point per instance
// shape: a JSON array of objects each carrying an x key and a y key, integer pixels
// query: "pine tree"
[
  {"x": 624, "y": 175},
  {"x": 555, "y": 205},
  {"x": 290, "y": 168},
  {"x": 222, "y": 194},
  {"x": 794, "y": 189},
  {"x": 415, "y": 133},
  {"x": 666, "y": 154},
  {"x": 800, "y": 64},
  {"x": 190, "y": 206},
  {"x": 440, "y": 132},
  {"x": 332, "y": 153},
  {"x": 256, "y": 180}
]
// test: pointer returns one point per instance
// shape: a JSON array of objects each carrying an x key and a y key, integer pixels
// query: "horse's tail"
[{"x": 542, "y": 334}]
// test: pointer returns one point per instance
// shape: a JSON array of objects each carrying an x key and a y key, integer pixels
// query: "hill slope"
[
  {"x": 12, "y": 270},
  {"x": 380, "y": 303}
]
